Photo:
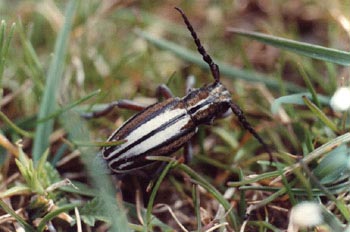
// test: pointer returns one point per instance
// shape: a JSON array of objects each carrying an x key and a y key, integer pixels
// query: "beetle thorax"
[{"x": 207, "y": 103}]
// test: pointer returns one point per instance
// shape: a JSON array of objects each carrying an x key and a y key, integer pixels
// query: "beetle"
[{"x": 164, "y": 127}]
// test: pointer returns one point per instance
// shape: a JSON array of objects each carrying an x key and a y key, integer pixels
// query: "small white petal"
[
  {"x": 341, "y": 99},
  {"x": 306, "y": 214}
]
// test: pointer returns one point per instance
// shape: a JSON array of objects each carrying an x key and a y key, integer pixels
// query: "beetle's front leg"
[{"x": 123, "y": 104}]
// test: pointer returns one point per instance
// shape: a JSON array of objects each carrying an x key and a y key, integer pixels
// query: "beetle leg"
[
  {"x": 164, "y": 91},
  {"x": 123, "y": 104},
  {"x": 130, "y": 105},
  {"x": 188, "y": 152}
]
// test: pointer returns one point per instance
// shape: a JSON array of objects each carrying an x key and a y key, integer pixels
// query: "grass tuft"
[{"x": 55, "y": 178}]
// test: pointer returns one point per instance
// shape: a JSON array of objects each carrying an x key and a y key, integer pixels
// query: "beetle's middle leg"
[
  {"x": 188, "y": 152},
  {"x": 164, "y": 91},
  {"x": 123, "y": 104}
]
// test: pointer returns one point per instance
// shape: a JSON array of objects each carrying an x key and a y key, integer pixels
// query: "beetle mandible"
[{"x": 164, "y": 127}]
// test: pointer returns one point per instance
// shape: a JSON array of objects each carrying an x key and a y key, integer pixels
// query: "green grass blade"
[
  {"x": 262, "y": 176},
  {"x": 12, "y": 125},
  {"x": 225, "y": 69},
  {"x": 263, "y": 224},
  {"x": 5, "y": 41},
  {"x": 105, "y": 189},
  {"x": 154, "y": 193},
  {"x": 132, "y": 213},
  {"x": 308, "y": 84},
  {"x": 196, "y": 203},
  {"x": 319, "y": 113},
  {"x": 19, "y": 219},
  {"x": 2, "y": 35},
  {"x": 2, "y": 43},
  {"x": 31, "y": 58},
  {"x": 48, "y": 217},
  {"x": 48, "y": 103},
  {"x": 305, "y": 49},
  {"x": 216, "y": 194},
  {"x": 296, "y": 99},
  {"x": 16, "y": 190},
  {"x": 4, "y": 47},
  {"x": 69, "y": 106}
]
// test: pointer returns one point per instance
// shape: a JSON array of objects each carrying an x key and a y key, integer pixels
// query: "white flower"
[
  {"x": 304, "y": 215},
  {"x": 341, "y": 99}
]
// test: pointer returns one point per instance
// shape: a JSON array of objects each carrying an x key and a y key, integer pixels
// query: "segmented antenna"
[
  {"x": 243, "y": 120},
  {"x": 214, "y": 68}
]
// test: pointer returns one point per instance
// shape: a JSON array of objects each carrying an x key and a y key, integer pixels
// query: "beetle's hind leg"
[
  {"x": 123, "y": 104},
  {"x": 162, "y": 91}
]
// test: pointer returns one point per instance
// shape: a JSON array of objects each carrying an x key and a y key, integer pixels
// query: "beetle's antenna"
[
  {"x": 214, "y": 68},
  {"x": 243, "y": 120}
]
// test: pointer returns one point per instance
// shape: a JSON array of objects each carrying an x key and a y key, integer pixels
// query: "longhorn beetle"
[{"x": 164, "y": 127}]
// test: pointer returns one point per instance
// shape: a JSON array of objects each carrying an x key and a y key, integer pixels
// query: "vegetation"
[{"x": 282, "y": 61}]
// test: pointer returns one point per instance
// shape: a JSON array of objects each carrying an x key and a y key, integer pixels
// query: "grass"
[{"x": 58, "y": 60}]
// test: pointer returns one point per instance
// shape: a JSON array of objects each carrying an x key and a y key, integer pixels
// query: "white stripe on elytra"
[
  {"x": 157, "y": 138},
  {"x": 153, "y": 141},
  {"x": 146, "y": 128},
  {"x": 205, "y": 106},
  {"x": 121, "y": 166}
]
